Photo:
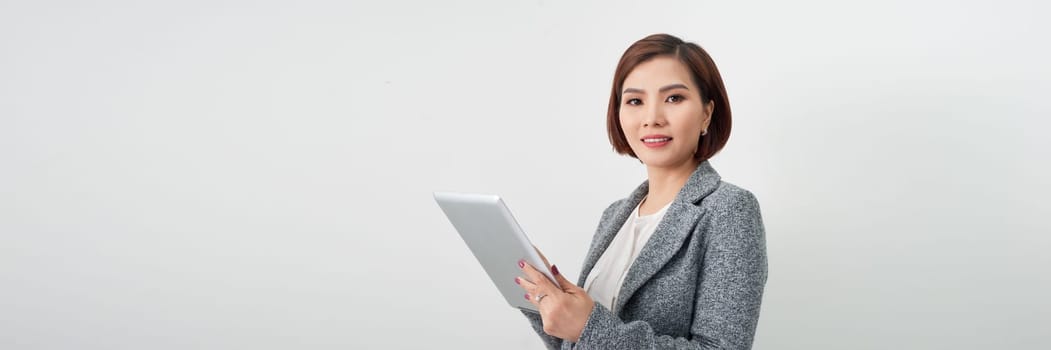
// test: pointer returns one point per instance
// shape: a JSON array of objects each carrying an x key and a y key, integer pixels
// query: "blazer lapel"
[
  {"x": 608, "y": 230},
  {"x": 678, "y": 223}
]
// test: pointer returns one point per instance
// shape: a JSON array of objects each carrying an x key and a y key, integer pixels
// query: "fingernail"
[
  {"x": 516, "y": 281},
  {"x": 527, "y": 296},
  {"x": 521, "y": 263},
  {"x": 554, "y": 269}
]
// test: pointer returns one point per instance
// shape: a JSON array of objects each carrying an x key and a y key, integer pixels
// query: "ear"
[{"x": 708, "y": 109}]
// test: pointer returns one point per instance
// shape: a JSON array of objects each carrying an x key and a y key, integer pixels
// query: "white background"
[{"x": 221, "y": 175}]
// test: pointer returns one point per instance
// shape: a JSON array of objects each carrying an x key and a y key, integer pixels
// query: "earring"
[{"x": 705, "y": 132}]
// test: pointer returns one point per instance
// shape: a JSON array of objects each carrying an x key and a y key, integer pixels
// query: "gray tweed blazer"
[{"x": 697, "y": 283}]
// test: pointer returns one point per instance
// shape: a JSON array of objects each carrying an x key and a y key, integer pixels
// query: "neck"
[{"x": 665, "y": 183}]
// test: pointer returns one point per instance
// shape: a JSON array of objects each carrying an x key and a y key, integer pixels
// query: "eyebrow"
[{"x": 662, "y": 89}]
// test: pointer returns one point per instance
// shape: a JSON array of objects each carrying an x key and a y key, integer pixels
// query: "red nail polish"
[
  {"x": 527, "y": 296},
  {"x": 554, "y": 269},
  {"x": 521, "y": 263},
  {"x": 516, "y": 281}
]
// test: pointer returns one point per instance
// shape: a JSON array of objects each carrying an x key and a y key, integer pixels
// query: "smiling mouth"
[{"x": 656, "y": 140}]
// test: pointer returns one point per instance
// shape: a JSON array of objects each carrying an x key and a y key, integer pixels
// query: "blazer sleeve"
[
  {"x": 551, "y": 342},
  {"x": 728, "y": 295}
]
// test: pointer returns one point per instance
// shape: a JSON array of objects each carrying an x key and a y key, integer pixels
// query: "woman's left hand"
[{"x": 564, "y": 311}]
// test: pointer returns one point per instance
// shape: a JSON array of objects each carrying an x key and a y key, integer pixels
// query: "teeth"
[{"x": 656, "y": 140}]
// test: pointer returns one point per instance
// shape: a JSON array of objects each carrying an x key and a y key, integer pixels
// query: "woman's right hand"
[{"x": 565, "y": 307}]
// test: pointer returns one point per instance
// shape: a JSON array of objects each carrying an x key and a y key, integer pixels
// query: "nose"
[{"x": 654, "y": 116}]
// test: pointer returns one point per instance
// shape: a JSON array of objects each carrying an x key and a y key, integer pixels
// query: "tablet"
[{"x": 495, "y": 239}]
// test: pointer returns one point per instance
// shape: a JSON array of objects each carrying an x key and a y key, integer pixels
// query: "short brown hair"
[{"x": 705, "y": 76}]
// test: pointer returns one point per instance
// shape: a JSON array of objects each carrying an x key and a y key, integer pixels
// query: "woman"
[{"x": 681, "y": 262}]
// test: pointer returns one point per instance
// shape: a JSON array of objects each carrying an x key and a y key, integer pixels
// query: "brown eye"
[
  {"x": 675, "y": 98},
  {"x": 633, "y": 102}
]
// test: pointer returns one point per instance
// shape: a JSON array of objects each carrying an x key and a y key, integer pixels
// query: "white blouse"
[{"x": 604, "y": 281}]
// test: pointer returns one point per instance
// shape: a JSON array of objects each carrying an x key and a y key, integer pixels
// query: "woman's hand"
[{"x": 564, "y": 311}]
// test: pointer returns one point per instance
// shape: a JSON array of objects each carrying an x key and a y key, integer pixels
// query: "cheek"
[
  {"x": 628, "y": 124},
  {"x": 692, "y": 119}
]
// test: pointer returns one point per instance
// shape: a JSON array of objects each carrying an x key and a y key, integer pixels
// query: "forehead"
[{"x": 658, "y": 72}]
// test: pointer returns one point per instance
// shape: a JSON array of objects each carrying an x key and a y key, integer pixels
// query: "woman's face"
[{"x": 662, "y": 114}]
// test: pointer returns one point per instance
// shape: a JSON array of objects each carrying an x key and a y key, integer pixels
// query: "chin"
[{"x": 664, "y": 162}]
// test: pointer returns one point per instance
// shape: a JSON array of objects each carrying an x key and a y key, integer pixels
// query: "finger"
[
  {"x": 543, "y": 284},
  {"x": 531, "y": 298},
  {"x": 566, "y": 284},
  {"x": 527, "y": 286},
  {"x": 531, "y": 290}
]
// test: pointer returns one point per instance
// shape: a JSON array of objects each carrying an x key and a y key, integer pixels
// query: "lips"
[
  {"x": 656, "y": 138},
  {"x": 656, "y": 141}
]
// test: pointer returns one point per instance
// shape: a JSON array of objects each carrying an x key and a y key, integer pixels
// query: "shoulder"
[
  {"x": 732, "y": 214},
  {"x": 730, "y": 197}
]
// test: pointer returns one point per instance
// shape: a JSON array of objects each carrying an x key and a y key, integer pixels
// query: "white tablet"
[{"x": 495, "y": 238}]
